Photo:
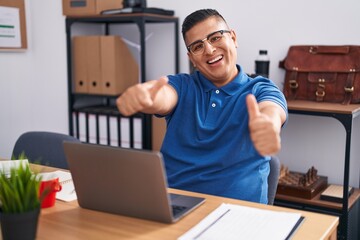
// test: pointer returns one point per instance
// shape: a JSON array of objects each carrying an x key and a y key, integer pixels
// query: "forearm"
[{"x": 274, "y": 111}]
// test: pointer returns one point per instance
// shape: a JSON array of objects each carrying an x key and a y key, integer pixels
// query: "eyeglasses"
[{"x": 215, "y": 39}]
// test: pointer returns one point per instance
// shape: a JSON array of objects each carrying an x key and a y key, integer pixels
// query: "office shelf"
[
  {"x": 103, "y": 105},
  {"x": 348, "y": 210}
]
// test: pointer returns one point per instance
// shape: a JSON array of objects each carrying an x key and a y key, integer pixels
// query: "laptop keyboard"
[{"x": 177, "y": 209}]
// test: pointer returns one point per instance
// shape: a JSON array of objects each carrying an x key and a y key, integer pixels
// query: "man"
[{"x": 222, "y": 126}]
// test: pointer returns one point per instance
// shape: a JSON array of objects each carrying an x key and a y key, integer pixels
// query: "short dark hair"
[{"x": 198, "y": 16}]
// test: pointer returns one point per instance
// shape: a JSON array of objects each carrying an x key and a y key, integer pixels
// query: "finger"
[
  {"x": 252, "y": 106},
  {"x": 158, "y": 84},
  {"x": 124, "y": 109}
]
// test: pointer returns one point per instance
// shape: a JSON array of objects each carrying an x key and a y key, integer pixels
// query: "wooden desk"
[{"x": 69, "y": 221}]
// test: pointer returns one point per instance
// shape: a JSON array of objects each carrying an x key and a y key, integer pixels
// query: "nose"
[{"x": 208, "y": 48}]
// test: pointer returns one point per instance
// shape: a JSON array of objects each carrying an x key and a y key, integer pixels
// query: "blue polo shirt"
[{"x": 207, "y": 146}]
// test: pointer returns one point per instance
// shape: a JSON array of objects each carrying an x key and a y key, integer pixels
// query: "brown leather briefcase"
[{"x": 322, "y": 73}]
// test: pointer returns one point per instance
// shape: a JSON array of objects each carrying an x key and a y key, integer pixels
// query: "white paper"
[
  {"x": 230, "y": 221},
  {"x": 67, "y": 192},
  {"x": 10, "y": 27}
]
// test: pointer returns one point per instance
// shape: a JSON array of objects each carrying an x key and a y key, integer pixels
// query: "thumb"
[
  {"x": 252, "y": 106},
  {"x": 158, "y": 84}
]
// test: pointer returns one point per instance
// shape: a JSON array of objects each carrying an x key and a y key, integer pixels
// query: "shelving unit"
[
  {"x": 348, "y": 211},
  {"x": 103, "y": 106}
]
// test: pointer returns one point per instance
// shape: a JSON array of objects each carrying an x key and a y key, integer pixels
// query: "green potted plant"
[{"x": 20, "y": 202}]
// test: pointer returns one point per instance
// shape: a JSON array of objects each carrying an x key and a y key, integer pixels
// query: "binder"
[
  {"x": 82, "y": 127},
  {"x": 93, "y": 64},
  {"x": 137, "y": 133},
  {"x": 103, "y": 65},
  {"x": 119, "y": 69},
  {"x": 92, "y": 127},
  {"x": 75, "y": 123},
  {"x": 125, "y": 132},
  {"x": 103, "y": 136},
  {"x": 114, "y": 130},
  {"x": 80, "y": 65}
]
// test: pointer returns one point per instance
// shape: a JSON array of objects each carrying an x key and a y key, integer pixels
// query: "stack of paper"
[{"x": 230, "y": 221}]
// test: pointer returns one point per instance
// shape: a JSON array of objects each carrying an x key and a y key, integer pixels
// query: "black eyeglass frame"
[{"x": 206, "y": 39}]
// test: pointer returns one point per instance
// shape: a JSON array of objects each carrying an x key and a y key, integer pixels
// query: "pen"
[{"x": 212, "y": 224}]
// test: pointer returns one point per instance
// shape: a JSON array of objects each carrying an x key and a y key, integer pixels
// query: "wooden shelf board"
[{"x": 316, "y": 201}]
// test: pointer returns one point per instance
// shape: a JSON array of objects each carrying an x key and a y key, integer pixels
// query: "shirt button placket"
[
  {"x": 217, "y": 92},
  {"x": 214, "y": 109}
]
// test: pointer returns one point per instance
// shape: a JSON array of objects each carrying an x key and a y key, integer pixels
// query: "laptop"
[{"x": 125, "y": 181}]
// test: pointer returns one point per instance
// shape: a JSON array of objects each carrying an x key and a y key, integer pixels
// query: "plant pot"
[{"x": 22, "y": 226}]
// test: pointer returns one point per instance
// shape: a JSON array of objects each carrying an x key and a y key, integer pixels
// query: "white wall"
[{"x": 33, "y": 83}]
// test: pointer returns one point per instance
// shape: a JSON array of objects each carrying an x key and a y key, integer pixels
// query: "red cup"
[{"x": 48, "y": 190}]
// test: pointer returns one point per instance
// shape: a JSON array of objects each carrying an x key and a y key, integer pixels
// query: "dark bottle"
[{"x": 262, "y": 64}]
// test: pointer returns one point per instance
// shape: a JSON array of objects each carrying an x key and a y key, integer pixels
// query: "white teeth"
[{"x": 215, "y": 59}]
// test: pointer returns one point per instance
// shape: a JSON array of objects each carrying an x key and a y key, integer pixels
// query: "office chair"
[
  {"x": 45, "y": 148},
  {"x": 273, "y": 179}
]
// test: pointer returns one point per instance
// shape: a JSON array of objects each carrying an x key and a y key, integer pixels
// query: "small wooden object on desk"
[
  {"x": 301, "y": 185},
  {"x": 334, "y": 193}
]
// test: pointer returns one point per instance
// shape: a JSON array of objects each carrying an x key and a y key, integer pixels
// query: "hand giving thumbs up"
[{"x": 264, "y": 126}]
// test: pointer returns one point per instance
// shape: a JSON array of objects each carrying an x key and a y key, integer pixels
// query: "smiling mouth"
[{"x": 217, "y": 59}]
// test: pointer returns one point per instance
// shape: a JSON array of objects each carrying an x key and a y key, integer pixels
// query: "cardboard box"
[
  {"x": 158, "y": 132},
  {"x": 89, "y": 7},
  {"x": 103, "y": 65}
]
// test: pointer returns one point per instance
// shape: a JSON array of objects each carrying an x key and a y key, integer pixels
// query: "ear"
[{"x": 233, "y": 37}]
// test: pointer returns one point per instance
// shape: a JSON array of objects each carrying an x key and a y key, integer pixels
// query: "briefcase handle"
[{"x": 329, "y": 49}]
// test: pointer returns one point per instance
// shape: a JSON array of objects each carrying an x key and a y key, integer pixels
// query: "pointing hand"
[{"x": 140, "y": 96}]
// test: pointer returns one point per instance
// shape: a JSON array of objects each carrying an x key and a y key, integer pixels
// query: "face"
[{"x": 216, "y": 63}]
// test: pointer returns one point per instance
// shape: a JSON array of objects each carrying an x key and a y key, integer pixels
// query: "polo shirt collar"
[{"x": 231, "y": 88}]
